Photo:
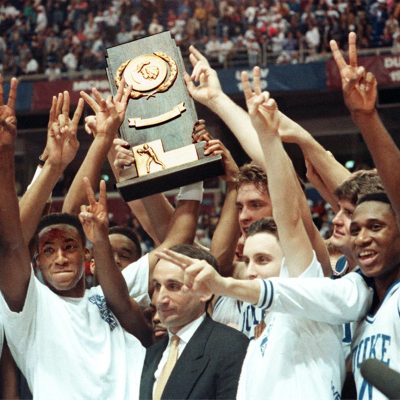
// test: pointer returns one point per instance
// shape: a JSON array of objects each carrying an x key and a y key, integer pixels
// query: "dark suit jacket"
[{"x": 208, "y": 368}]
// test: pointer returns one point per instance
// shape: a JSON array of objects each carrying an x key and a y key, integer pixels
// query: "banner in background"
[
  {"x": 385, "y": 68},
  {"x": 43, "y": 91}
]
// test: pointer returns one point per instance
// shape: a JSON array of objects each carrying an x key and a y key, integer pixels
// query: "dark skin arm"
[
  {"x": 94, "y": 218},
  {"x": 360, "y": 94},
  {"x": 8, "y": 375},
  {"x": 15, "y": 267},
  {"x": 61, "y": 148}
]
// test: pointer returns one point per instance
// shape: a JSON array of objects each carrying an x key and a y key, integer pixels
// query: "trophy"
[{"x": 159, "y": 119}]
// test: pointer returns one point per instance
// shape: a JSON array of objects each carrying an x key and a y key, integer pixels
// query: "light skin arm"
[
  {"x": 153, "y": 212},
  {"x": 182, "y": 229},
  {"x": 323, "y": 300},
  {"x": 109, "y": 115},
  {"x": 94, "y": 219},
  {"x": 330, "y": 171},
  {"x": 227, "y": 231},
  {"x": 61, "y": 147},
  {"x": 265, "y": 118},
  {"x": 202, "y": 277},
  {"x": 209, "y": 92},
  {"x": 360, "y": 93},
  {"x": 15, "y": 267},
  {"x": 320, "y": 186}
]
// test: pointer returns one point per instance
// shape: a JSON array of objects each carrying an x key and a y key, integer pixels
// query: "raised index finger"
[
  {"x": 103, "y": 194},
  {"x": 12, "y": 95},
  {"x": 352, "y": 49}
]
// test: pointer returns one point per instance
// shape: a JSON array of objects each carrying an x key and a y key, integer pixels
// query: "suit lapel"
[
  {"x": 190, "y": 364},
  {"x": 153, "y": 357}
]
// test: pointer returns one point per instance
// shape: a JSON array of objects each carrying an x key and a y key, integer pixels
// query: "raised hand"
[
  {"x": 208, "y": 87},
  {"x": 359, "y": 87},
  {"x": 62, "y": 142},
  {"x": 262, "y": 109},
  {"x": 198, "y": 274},
  {"x": 110, "y": 113},
  {"x": 8, "y": 120},
  {"x": 214, "y": 147},
  {"x": 94, "y": 217}
]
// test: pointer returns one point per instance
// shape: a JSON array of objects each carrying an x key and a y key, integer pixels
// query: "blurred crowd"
[{"x": 54, "y": 36}]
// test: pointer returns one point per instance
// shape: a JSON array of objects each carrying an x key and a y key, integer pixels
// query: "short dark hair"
[
  {"x": 263, "y": 225},
  {"x": 194, "y": 251},
  {"x": 60, "y": 218},
  {"x": 378, "y": 196},
  {"x": 358, "y": 184},
  {"x": 129, "y": 233},
  {"x": 199, "y": 253},
  {"x": 252, "y": 173}
]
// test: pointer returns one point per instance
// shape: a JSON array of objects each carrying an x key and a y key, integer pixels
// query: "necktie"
[{"x": 168, "y": 367}]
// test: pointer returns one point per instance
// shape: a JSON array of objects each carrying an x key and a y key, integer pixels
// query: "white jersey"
[
  {"x": 294, "y": 358},
  {"x": 252, "y": 315},
  {"x": 227, "y": 311},
  {"x": 378, "y": 336},
  {"x": 136, "y": 276},
  {"x": 74, "y": 348},
  {"x": 315, "y": 299}
]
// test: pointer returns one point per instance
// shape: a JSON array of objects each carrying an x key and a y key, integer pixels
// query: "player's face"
[
  {"x": 262, "y": 255},
  {"x": 159, "y": 330},
  {"x": 124, "y": 250},
  {"x": 376, "y": 240},
  {"x": 252, "y": 205},
  {"x": 341, "y": 227},
  {"x": 176, "y": 304},
  {"x": 60, "y": 258}
]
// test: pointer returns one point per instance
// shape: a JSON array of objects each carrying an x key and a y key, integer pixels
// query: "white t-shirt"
[
  {"x": 136, "y": 276},
  {"x": 315, "y": 299},
  {"x": 251, "y": 315},
  {"x": 74, "y": 348},
  {"x": 227, "y": 311},
  {"x": 378, "y": 336},
  {"x": 294, "y": 358}
]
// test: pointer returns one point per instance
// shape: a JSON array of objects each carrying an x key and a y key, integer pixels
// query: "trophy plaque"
[{"x": 159, "y": 119}]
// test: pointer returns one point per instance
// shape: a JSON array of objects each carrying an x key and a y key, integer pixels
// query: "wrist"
[
  {"x": 217, "y": 102},
  {"x": 193, "y": 191},
  {"x": 363, "y": 114}
]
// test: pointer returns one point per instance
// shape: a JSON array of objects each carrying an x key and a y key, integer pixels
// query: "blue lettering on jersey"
[
  {"x": 346, "y": 333},
  {"x": 375, "y": 346},
  {"x": 251, "y": 320},
  {"x": 335, "y": 393},
  {"x": 105, "y": 312}
]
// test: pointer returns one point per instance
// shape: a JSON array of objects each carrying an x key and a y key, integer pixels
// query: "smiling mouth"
[{"x": 367, "y": 257}]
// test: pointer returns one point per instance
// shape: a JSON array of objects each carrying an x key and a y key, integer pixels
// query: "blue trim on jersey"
[
  {"x": 394, "y": 286},
  {"x": 265, "y": 294},
  {"x": 271, "y": 295},
  {"x": 219, "y": 299}
]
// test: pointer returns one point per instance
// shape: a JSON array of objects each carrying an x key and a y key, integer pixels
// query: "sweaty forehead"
[{"x": 58, "y": 232}]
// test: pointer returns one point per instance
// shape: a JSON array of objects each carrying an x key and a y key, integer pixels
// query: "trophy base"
[{"x": 171, "y": 178}]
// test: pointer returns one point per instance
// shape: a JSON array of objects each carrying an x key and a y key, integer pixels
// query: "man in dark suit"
[{"x": 199, "y": 358}]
